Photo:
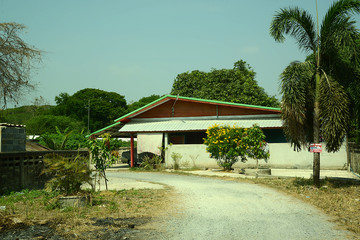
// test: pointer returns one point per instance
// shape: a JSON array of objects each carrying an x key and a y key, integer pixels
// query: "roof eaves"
[
  {"x": 104, "y": 129},
  {"x": 222, "y": 102}
]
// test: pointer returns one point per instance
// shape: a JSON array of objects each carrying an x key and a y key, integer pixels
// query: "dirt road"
[{"x": 210, "y": 208}]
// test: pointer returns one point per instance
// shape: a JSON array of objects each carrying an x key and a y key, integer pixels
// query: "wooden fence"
[
  {"x": 354, "y": 157},
  {"x": 21, "y": 170}
]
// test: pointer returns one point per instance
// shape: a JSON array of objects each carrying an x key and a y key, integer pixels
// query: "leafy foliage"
[
  {"x": 47, "y": 124},
  {"x": 231, "y": 85},
  {"x": 102, "y": 154},
  {"x": 16, "y": 61},
  {"x": 67, "y": 175},
  {"x": 21, "y": 115},
  {"x": 176, "y": 157},
  {"x": 227, "y": 144},
  {"x": 104, "y": 107},
  {"x": 56, "y": 141},
  {"x": 322, "y": 108},
  {"x": 317, "y": 86},
  {"x": 150, "y": 162},
  {"x": 142, "y": 102}
]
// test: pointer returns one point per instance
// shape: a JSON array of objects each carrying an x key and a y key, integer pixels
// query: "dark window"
[
  {"x": 177, "y": 139},
  {"x": 274, "y": 136},
  {"x": 187, "y": 137}
]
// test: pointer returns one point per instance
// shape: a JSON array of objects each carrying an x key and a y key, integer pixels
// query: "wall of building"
[
  {"x": 181, "y": 108},
  {"x": 22, "y": 170},
  {"x": 12, "y": 139},
  {"x": 281, "y": 156}
]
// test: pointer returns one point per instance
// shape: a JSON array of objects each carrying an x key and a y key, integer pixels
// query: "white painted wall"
[{"x": 281, "y": 156}]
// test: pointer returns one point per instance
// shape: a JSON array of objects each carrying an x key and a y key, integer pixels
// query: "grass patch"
[
  {"x": 39, "y": 207},
  {"x": 337, "y": 197}
]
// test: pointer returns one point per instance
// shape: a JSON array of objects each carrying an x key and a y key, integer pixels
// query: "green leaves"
[
  {"x": 229, "y": 144},
  {"x": 333, "y": 55},
  {"x": 298, "y": 92},
  {"x": 298, "y": 24},
  {"x": 334, "y": 113},
  {"x": 102, "y": 154},
  {"x": 230, "y": 85},
  {"x": 104, "y": 106},
  {"x": 67, "y": 175}
]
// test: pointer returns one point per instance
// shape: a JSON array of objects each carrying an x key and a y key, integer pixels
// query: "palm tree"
[{"x": 314, "y": 101}]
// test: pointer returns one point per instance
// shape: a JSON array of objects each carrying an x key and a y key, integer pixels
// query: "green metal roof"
[{"x": 105, "y": 128}]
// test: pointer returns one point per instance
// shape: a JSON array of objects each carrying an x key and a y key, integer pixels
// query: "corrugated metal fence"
[
  {"x": 21, "y": 170},
  {"x": 354, "y": 157}
]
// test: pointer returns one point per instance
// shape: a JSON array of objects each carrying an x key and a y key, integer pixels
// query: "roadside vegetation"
[{"x": 36, "y": 213}]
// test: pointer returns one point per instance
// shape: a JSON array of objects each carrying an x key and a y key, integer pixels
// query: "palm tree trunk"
[{"x": 316, "y": 159}]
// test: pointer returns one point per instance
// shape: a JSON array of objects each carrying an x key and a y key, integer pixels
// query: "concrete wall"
[
  {"x": 281, "y": 156},
  {"x": 22, "y": 170},
  {"x": 12, "y": 139}
]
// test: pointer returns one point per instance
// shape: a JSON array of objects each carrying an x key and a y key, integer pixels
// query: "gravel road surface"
[{"x": 210, "y": 208}]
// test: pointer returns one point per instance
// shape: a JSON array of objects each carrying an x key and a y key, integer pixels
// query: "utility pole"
[{"x": 88, "y": 116}]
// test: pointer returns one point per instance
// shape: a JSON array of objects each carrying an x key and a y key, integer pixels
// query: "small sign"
[{"x": 315, "y": 147}]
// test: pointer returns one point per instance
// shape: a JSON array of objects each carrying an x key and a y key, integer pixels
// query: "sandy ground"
[
  {"x": 125, "y": 183},
  {"x": 208, "y": 208}
]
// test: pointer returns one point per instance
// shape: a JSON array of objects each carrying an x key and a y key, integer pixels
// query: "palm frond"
[
  {"x": 339, "y": 10},
  {"x": 338, "y": 29},
  {"x": 334, "y": 113},
  {"x": 298, "y": 24},
  {"x": 296, "y": 89}
]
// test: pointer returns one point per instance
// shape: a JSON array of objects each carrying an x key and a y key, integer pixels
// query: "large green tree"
[
  {"x": 104, "y": 107},
  {"x": 16, "y": 61},
  {"x": 230, "y": 85},
  {"x": 48, "y": 123},
  {"x": 314, "y": 101}
]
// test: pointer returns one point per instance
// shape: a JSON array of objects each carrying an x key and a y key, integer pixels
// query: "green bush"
[
  {"x": 46, "y": 124},
  {"x": 229, "y": 144},
  {"x": 176, "y": 159},
  {"x": 151, "y": 162},
  {"x": 66, "y": 140},
  {"x": 102, "y": 155},
  {"x": 67, "y": 175}
]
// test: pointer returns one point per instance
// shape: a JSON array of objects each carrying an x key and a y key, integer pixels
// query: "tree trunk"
[
  {"x": 316, "y": 160},
  {"x": 358, "y": 129},
  {"x": 106, "y": 180}
]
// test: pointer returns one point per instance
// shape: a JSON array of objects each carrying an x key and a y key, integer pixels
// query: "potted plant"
[{"x": 67, "y": 176}]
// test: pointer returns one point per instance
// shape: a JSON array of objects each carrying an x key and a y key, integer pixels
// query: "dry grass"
[
  {"x": 112, "y": 210},
  {"x": 338, "y": 198}
]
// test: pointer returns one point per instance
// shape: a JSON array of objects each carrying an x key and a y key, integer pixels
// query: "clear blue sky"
[{"x": 137, "y": 47}]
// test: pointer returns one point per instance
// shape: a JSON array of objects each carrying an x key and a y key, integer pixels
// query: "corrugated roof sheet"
[{"x": 195, "y": 125}]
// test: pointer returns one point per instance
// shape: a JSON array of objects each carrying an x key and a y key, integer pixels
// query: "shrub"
[
  {"x": 150, "y": 162},
  {"x": 102, "y": 154},
  {"x": 229, "y": 144},
  {"x": 67, "y": 175},
  {"x": 176, "y": 158}
]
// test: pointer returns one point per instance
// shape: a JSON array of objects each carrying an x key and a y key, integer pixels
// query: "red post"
[{"x": 132, "y": 151}]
